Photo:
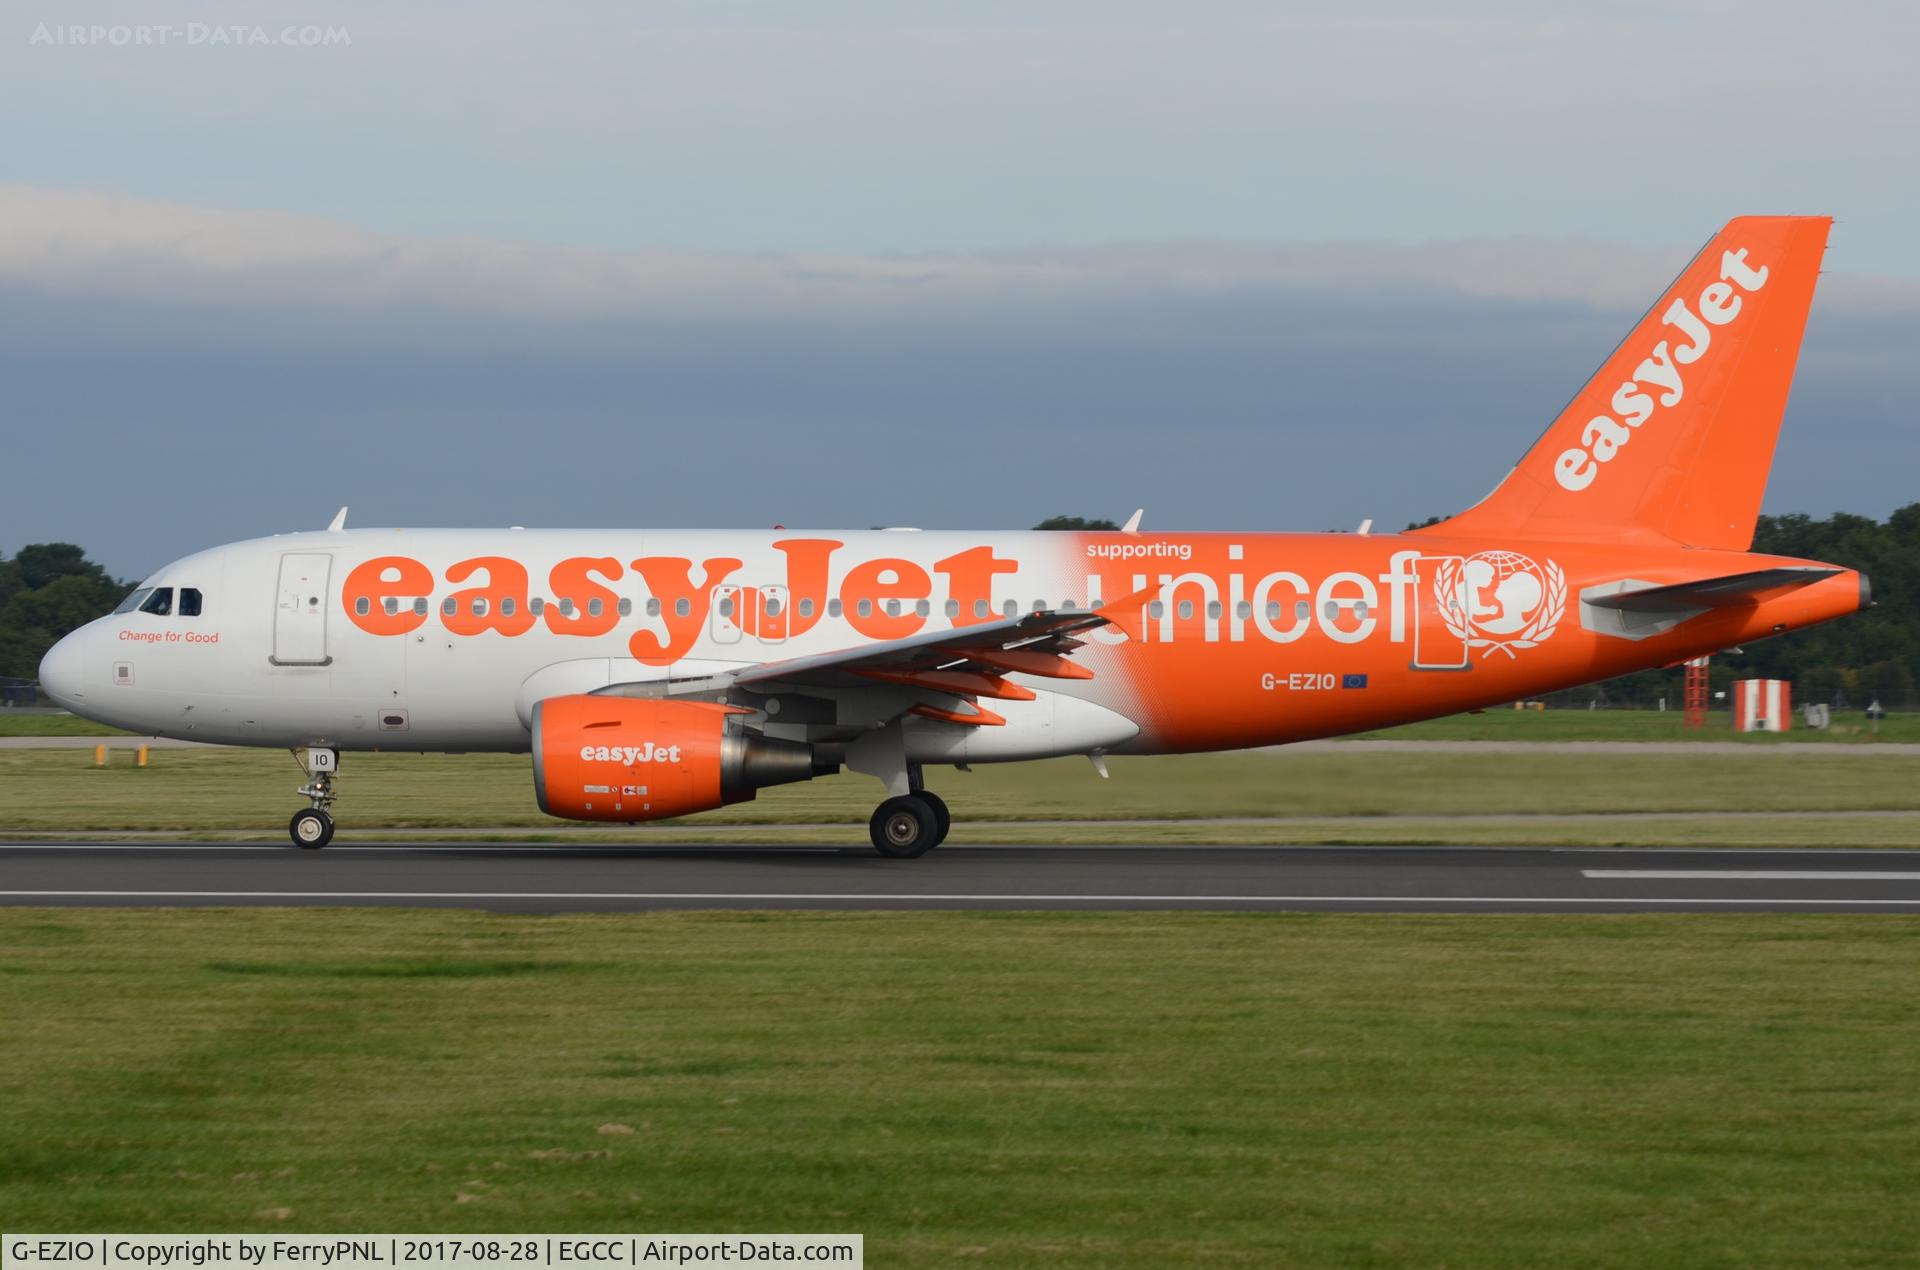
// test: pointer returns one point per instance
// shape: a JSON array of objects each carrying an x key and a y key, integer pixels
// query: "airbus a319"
[{"x": 657, "y": 674}]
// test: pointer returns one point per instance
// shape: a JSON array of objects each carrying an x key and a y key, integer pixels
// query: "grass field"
[
  {"x": 1850, "y": 728},
  {"x": 20, "y": 723},
  {"x": 1013, "y": 1089},
  {"x": 1549, "y": 798}
]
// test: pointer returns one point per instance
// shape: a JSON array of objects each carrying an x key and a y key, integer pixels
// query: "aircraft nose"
[{"x": 60, "y": 671}]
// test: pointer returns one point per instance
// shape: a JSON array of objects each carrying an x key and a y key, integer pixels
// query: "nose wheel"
[
  {"x": 313, "y": 828},
  {"x": 909, "y": 826}
]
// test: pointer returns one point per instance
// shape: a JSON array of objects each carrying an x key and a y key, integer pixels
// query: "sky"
[{"x": 1249, "y": 266}]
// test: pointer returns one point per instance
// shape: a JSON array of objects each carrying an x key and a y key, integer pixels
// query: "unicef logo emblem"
[{"x": 1500, "y": 599}]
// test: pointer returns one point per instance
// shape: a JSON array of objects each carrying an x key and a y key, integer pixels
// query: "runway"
[{"x": 512, "y": 878}]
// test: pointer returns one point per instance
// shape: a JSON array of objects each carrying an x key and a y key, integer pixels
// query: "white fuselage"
[{"x": 279, "y": 656}]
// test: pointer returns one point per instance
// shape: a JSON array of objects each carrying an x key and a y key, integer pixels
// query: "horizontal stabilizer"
[{"x": 1711, "y": 593}]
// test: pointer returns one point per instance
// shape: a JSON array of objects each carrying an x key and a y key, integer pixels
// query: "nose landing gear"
[{"x": 312, "y": 828}]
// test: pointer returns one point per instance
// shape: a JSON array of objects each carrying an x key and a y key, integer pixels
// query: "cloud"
[
  {"x": 84, "y": 243},
  {"x": 179, "y": 376}
]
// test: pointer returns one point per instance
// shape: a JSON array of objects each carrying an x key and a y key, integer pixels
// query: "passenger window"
[
  {"x": 160, "y": 603},
  {"x": 392, "y": 605},
  {"x": 773, "y": 606},
  {"x": 479, "y": 606},
  {"x": 1301, "y": 610},
  {"x": 1332, "y": 610},
  {"x": 806, "y": 607},
  {"x": 506, "y": 606},
  {"x": 1213, "y": 608},
  {"x": 449, "y": 606},
  {"x": 922, "y": 609},
  {"x": 893, "y": 608},
  {"x": 566, "y": 607},
  {"x": 596, "y": 606},
  {"x": 834, "y": 608},
  {"x": 726, "y": 606},
  {"x": 1273, "y": 610},
  {"x": 189, "y": 601},
  {"x": 537, "y": 605},
  {"x": 682, "y": 607},
  {"x": 980, "y": 608},
  {"x": 1011, "y": 608},
  {"x": 1186, "y": 609},
  {"x": 420, "y": 606},
  {"x": 134, "y": 600},
  {"x": 362, "y": 607},
  {"x": 953, "y": 608},
  {"x": 653, "y": 608},
  {"x": 1157, "y": 609},
  {"x": 866, "y": 608},
  {"x": 625, "y": 607},
  {"x": 1038, "y": 605},
  {"x": 1243, "y": 610}
]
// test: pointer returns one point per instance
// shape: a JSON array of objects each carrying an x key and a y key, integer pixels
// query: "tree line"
[{"x": 48, "y": 589}]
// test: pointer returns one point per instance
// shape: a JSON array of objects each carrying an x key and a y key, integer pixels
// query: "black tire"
[
  {"x": 942, "y": 818},
  {"x": 904, "y": 828},
  {"x": 310, "y": 829}
]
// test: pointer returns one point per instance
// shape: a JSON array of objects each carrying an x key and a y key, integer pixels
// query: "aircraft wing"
[
  {"x": 1050, "y": 633},
  {"x": 967, "y": 662}
]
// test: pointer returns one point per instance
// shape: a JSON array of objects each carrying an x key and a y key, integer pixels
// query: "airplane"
[{"x": 657, "y": 674}]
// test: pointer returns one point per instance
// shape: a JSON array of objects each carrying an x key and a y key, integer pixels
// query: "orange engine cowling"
[{"x": 626, "y": 759}]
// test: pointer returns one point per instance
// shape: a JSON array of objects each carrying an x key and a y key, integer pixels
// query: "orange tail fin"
[{"x": 1672, "y": 439}]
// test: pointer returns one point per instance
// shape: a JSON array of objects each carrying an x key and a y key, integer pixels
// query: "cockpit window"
[
  {"x": 189, "y": 601},
  {"x": 160, "y": 603},
  {"x": 135, "y": 600}
]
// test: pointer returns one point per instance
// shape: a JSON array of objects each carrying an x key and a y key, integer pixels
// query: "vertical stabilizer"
[{"x": 1672, "y": 439}]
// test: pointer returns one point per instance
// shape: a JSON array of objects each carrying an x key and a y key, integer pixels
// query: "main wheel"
[
  {"x": 311, "y": 829},
  {"x": 904, "y": 827},
  {"x": 942, "y": 818}
]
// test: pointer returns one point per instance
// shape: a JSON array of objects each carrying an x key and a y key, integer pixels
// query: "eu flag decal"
[{"x": 1353, "y": 681}]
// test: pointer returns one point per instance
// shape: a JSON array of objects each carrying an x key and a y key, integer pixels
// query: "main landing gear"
[
  {"x": 313, "y": 828},
  {"x": 910, "y": 825}
]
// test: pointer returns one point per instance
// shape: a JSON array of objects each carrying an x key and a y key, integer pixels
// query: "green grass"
[
  {"x": 1849, "y": 728},
  {"x": 1295, "y": 796},
  {"x": 18, "y": 723},
  {"x": 1013, "y": 1089}
]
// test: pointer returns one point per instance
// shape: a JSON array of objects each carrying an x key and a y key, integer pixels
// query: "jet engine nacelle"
[{"x": 627, "y": 759}]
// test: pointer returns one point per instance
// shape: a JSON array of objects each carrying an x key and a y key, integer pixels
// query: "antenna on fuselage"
[{"x": 339, "y": 521}]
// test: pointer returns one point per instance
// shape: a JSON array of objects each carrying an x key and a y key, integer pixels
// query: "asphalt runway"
[{"x": 626, "y": 879}]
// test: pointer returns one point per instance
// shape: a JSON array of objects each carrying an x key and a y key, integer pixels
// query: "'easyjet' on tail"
[{"x": 1672, "y": 439}]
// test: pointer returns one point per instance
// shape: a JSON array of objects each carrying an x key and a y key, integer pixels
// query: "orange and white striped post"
[{"x": 1762, "y": 705}]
